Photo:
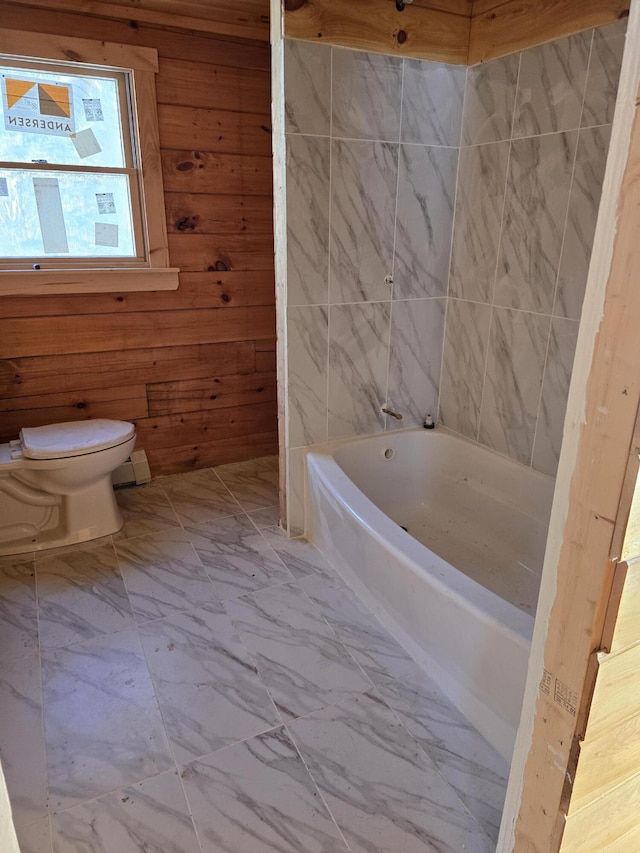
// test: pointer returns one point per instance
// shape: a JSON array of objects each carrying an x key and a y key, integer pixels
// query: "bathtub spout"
[{"x": 395, "y": 415}]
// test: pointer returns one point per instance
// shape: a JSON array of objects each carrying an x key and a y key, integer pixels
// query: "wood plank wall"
[
  {"x": 193, "y": 368},
  {"x": 499, "y": 27},
  {"x": 454, "y": 31}
]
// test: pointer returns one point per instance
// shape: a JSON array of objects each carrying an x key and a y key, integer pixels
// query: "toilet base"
[{"x": 87, "y": 514}]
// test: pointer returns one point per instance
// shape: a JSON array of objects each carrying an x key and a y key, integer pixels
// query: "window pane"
[
  {"x": 65, "y": 215},
  {"x": 59, "y": 118}
]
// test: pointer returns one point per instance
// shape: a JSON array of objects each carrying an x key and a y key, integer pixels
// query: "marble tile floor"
[{"x": 198, "y": 683}]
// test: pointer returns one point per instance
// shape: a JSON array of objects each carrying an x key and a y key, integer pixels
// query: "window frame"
[{"x": 91, "y": 275}]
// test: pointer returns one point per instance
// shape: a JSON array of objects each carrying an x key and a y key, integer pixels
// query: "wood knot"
[
  {"x": 185, "y": 166},
  {"x": 187, "y": 223},
  {"x": 294, "y": 5},
  {"x": 73, "y": 56},
  {"x": 401, "y": 36},
  {"x": 225, "y": 297}
]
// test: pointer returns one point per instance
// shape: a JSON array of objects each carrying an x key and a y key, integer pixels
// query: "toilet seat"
[{"x": 77, "y": 438}]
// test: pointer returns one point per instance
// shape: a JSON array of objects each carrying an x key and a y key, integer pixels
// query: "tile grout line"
[
  {"x": 385, "y": 418},
  {"x": 560, "y": 255},
  {"x": 498, "y": 248},
  {"x": 454, "y": 220}
]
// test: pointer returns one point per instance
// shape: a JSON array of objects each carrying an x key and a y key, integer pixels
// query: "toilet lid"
[{"x": 58, "y": 441}]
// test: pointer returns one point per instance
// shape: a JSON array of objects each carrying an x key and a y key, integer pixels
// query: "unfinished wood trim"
[
  {"x": 68, "y": 49},
  {"x": 613, "y": 606},
  {"x": 215, "y": 23},
  {"x": 280, "y": 239},
  {"x": 599, "y": 426},
  {"x": 29, "y": 283},
  {"x": 376, "y": 25},
  {"x": 150, "y": 169},
  {"x": 520, "y": 24}
]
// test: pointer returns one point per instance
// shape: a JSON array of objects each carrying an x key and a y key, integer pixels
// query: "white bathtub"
[{"x": 462, "y": 600}]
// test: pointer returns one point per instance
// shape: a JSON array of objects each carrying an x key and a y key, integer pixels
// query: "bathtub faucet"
[{"x": 395, "y": 415}]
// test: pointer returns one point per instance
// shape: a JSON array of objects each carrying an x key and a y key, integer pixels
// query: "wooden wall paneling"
[
  {"x": 196, "y": 290},
  {"x": 194, "y": 213},
  {"x": 209, "y": 453},
  {"x": 519, "y": 24},
  {"x": 208, "y": 252},
  {"x": 241, "y": 18},
  {"x": 124, "y": 403},
  {"x": 190, "y": 428},
  {"x": 224, "y": 174},
  {"x": 423, "y": 30},
  {"x": 200, "y": 84},
  {"x": 266, "y": 360},
  {"x": 170, "y": 42},
  {"x": 72, "y": 356},
  {"x": 218, "y": 131},
  {"x": 114, "y": 332},
  {"x": 37, "y": 375},
  {"x": 214, "y": 392}
]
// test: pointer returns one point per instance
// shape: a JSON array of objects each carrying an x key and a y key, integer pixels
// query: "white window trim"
[{"x": 142, "y": 65}]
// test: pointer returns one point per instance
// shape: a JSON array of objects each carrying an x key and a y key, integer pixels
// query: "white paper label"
[
  {"x": 54, "y": 233},
  {"x": 106, "y": 234},
  {"x": 85, "y": 143},
  {"x": 32, "y": 107},
  {"x": 4, "y": 189},
  {"x": 106, "y": 204},
  {"x": 92, "y": 109}
]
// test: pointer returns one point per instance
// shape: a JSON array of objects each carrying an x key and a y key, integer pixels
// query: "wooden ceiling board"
[{"x": 241, "y": 18}]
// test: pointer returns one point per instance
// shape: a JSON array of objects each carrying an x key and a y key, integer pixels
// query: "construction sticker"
[{"x": 34, "y": 107}]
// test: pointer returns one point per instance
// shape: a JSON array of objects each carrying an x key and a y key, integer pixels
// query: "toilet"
[{"x": 55, "y": 484}]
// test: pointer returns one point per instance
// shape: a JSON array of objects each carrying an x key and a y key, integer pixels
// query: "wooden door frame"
[{"x": 598, "y": 434}]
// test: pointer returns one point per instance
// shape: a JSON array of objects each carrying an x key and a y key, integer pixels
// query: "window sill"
[{"x": 42, "y": 283}]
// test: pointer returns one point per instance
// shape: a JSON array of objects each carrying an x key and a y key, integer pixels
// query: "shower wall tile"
[
  {"x": 551, "y": 86},
  {"x": 426, "y": 192},
  {"x": 432, "y": 102},
  {"x": 463, "y": 365},
  {"x": 417, "y": 329},
  {"x": 604, "y": 73},
  {"x": 366, "y": 91},
  {"x": 307, "y": 357},
  {"x": 307, "y": 87},
  {"x": 588, "y": 175},
  {"x": 295, "y": 491},
  {"x": 480, "y": 196},
  {"x": 515, "y": 362},
  {"x": 555, "y": 389},
  {"x": 489, "y": 100},
  {"x": 534, "y": 217},
  {"x": 358, "y": 360},
  {"x": 307, "y": 220},
  {"x": 363, "y": 178}
]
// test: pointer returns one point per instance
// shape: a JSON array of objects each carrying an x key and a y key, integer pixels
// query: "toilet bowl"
[{"x": 55, "y": 484}]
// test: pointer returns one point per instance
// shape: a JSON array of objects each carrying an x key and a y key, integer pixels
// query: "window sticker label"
[
  {"x": 92, "y": 109},
  {"x": 86, "y": 143},
  {"x": 106, "y": 234},
  {"x": 31, "y": 107},
  {"x": 106, "y": 204},
  {"x": 49, "y": 205},
  {"x": 4, "y": 189}
]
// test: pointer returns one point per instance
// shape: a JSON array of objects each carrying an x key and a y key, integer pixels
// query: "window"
[{"x": 81, "y": 198}]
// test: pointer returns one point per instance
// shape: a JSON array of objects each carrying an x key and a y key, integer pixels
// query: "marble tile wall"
[
  {"x": 372, "y": 158},
  {"x": 475, "y": 191},
  {"x": 535, "y": 135}
]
